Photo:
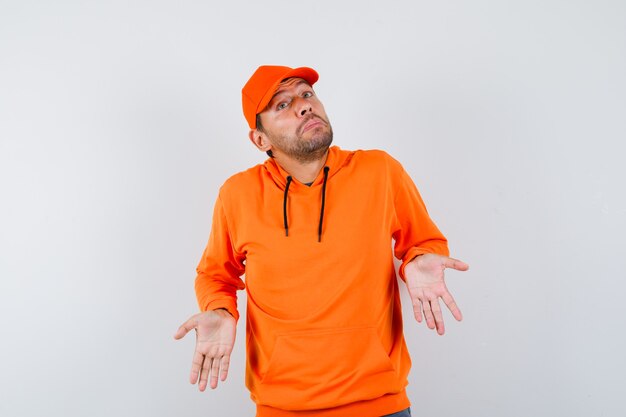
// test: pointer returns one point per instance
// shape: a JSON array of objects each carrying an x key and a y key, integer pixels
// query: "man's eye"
[
  {"x": 307, "y": 94},
  {"x": 281, "y": 106}
]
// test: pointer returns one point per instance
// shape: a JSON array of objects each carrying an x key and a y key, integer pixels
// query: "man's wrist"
[
  {"x": 415, "y": 257},
  {"x": 222, "y": 308}
]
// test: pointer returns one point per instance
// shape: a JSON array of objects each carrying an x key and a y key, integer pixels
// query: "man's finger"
[
  {"x": 417, "y": 308},
  {"x": 224, "y": 365},
  {"x": 215, "y": 368},
  {"x": 196, "y": 364},
  {"x": 417, "y": 311},
  {"x": 185, "y": 328},
  {"x": 455, "y": 264},
  {"x": 204, "y": 374},
  {"x": 430, "y": 321},
  {"x": 438, "y": 316},
  {"x": 454, "y": 309}
]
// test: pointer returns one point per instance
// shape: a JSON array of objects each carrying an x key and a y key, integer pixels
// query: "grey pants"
[{"x": 403, "y": 413}]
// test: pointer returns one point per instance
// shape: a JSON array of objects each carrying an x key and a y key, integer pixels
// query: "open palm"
[
  {"x": 215, "y": 338},
  {"x": 425, "y": 281}
]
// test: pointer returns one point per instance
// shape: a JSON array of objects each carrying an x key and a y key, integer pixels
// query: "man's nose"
[{"x": 303, "y": 107}]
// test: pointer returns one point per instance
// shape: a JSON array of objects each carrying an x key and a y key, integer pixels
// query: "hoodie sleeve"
[
  {"x": 220, "y": 268},
  {"x": 414, "y": 232}
]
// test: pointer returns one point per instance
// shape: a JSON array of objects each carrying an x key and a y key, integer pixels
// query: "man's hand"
[
  {"x": 424, "y": 279},
  {"x": 215, "y": 338}
]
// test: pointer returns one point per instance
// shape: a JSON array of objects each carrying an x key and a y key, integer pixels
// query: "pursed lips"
[{"x": 314, "y": 121}]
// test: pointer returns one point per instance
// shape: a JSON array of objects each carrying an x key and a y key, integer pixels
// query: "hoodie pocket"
[{"x": 327, "y": 368}]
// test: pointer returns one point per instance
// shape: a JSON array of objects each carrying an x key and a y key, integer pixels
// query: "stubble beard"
[{"x": 306, "y": 150}]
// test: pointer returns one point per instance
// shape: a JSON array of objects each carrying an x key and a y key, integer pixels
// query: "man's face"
[{"x": 295, "y": 122}]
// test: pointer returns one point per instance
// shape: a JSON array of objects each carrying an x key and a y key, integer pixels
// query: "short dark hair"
[{"x": 259, "y": 126}]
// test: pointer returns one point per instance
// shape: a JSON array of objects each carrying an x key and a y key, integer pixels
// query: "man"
[{"x": 311, "y": 228}]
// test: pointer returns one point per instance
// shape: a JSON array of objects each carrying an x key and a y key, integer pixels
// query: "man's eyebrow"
[{"x": 279, "y": 91}]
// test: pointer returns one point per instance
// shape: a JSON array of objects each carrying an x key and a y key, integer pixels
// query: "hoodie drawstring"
[
  {"x": 285, "y": 206},
  {"x": 319, "y": 230}
]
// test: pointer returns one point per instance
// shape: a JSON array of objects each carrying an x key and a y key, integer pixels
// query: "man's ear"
[{"x": 260, "y": 140}]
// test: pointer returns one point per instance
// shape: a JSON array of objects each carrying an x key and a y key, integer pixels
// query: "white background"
[{"x": 119, "y": 120}]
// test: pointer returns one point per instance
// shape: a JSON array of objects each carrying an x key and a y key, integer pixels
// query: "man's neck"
[{"x": 304, "y": 172}]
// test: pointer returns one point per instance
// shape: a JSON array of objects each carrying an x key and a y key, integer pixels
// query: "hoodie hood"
[{"x": 335, "y": 161}]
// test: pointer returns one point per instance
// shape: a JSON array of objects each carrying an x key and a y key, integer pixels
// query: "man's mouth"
[{"x": 311, "y": 124}]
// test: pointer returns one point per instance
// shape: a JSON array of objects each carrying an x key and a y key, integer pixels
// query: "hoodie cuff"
[{"x": 228, "y": 305}]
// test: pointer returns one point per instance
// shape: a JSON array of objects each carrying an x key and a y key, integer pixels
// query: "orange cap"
[{"x": 260, "y": 88}]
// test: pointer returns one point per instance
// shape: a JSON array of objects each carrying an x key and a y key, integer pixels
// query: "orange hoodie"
[{"x": 324, "y": 324}]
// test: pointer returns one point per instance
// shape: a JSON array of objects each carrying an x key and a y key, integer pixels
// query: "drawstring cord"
[
  {"x": 319, "y": 230},
  {"x": 285, "y": 206},
  {"x": 286, "y": 223}
]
